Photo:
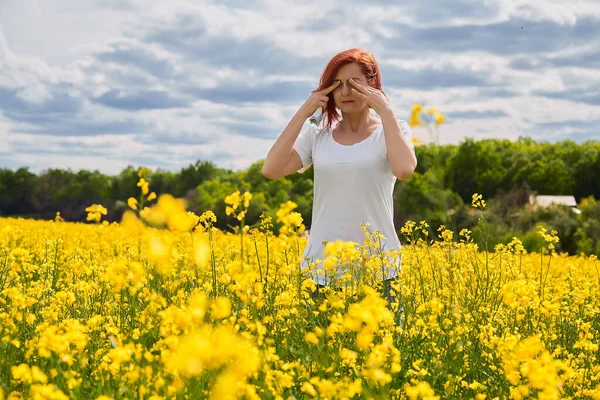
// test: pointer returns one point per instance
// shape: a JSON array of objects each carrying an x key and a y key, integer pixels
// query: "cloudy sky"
[{"x": 102, "y": 84}]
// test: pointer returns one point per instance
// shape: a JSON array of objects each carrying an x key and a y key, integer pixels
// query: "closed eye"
[{"x": 339, "y": 80}]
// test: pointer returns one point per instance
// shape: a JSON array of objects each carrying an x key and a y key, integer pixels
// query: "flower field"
[{"x": 163, "y": 305}]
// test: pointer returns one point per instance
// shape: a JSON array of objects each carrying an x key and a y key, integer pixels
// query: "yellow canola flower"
[
  {"x": 246, "y": 198},
  {"x": 367, "y": 317},
  {"x": 95, "y": 212},
  {"x": 309, "y": 389},
  {"x": 311, "y": 337},
  {"x": 78, "y": 307},
  {"x": 364, "y": 338},
  {"x": 27, "y": 374},
  {"x": 221, "y": 308},
  {"x": 234, "y": 201},
  {"x": 49, "y": 391},
  {"x": 131, "y": 223},
  {"x": 414, "y": 115},
  {"x": 183, "y": 222},
  {"x": 208, "y": 219},
  {"x": 477, "y": 201},
  {"x": 527, "y": 364},
  {"x": 125, "y": 273},
  {"x": 144, "y": 185},
  {"x": 292, "y": 221},
  {"x": 132, "y": 203},
  {"x": 65, "y": 340},
  {"x": 422, "y": 390},
  {"x": 214, "y": 348},
  {"x": 161, "y": 251},
  {"x": 201, "y": 251},
  {"x": 142, "y": 171},
  {"x": 168, "y": 211},
  {"x": 439, "y": 118},
  {"x": 416, "y": 141}
]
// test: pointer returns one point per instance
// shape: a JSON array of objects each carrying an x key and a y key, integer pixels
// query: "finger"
[
  {"x": 330, "y": 88},
  {"x": 359, "y": 86},
  {"x": 359, "y": 94},
  {"x": 363, "y": 87}
]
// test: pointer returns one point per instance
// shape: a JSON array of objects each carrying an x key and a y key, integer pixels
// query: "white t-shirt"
[{"x": 352, "y": 185}]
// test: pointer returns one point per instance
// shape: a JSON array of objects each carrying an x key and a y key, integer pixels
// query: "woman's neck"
[{"x": 357, "y": 122}]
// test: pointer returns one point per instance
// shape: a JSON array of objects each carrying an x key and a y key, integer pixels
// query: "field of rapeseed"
[{"x": 163, "y": 305}]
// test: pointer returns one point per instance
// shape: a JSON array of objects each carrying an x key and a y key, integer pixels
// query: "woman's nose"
[{"x": 346, "y": 88}]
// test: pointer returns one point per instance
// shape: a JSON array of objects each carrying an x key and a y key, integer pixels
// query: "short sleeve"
[
  {"x": 304, "y": 146},
  {"x": 406, "y": 131}
]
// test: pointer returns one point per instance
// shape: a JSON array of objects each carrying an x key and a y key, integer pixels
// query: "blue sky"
[{"x": 102, "y": 84}]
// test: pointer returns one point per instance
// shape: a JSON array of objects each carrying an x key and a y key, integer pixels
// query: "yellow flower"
[
  {"x": 160, "y": 251},
  {"x": 131, "y": 223},
  {"x": 201, "y": 251},
  {"x": 422, "y": 390},
  {"x": 477, "y": 201},
  {"x": 233, "y": 199},
  {"x": 208, "y": 218},
  {"x": 132, "y": 203},
  {"x": 142, "y": 171},
  {"x": 227, "y": 322},
  {"x": 221, "y": 308},
  {"x": 233, "y": 202},
  {"x": 151, "y": 196},
  {"x": 183, "y": 221},
  {"x": 49, "y": 391},
  {"x": 416, "y": 141},
  {"x": 309, "y": 389},
  {"x": 414, "y": 115},
  {"x": 364, "y": 338},
  {"x": 168, "y": 210},
  {"x": 144, "y": 186},
  {"x": 247, "y": 197},
  {"x": 218, "y": 349},
  {"x": 125, "y": 273},
  {"x": 438, "y": 117},
  {"x": 241, "y": 215},
  {"x": 95, "y": 212},
  {"x": 310, "y": 337}
]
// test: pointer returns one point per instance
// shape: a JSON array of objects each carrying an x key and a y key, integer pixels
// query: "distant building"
[{"x": 544, "y": 201}]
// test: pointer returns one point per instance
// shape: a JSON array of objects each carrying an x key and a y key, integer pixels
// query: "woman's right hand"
[{"x": 318, "y": 98}]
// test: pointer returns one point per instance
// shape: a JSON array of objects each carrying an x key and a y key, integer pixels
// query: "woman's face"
[{"x": 342, "y": 95}]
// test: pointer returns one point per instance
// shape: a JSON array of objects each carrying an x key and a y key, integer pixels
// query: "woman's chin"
[{"x": 351, "y": 107}]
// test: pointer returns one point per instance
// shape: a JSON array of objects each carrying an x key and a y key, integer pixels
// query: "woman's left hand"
[{"x": 375, "y": 98}]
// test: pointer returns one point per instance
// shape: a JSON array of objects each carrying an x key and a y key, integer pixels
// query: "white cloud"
[{"x": 101, "y": 84}]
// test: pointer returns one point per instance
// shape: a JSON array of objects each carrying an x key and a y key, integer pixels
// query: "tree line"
[{"x": 505, "y": 172}]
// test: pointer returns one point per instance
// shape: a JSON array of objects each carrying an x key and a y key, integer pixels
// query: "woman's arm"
[
  {"x": 282, "y": 159},
  {"x": 400, "y": 152}
]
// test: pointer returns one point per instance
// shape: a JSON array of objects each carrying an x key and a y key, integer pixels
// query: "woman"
[{"x": 357, "y": 158}]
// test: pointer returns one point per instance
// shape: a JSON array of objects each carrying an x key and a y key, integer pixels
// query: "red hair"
[{"x": 369, "y": 67}]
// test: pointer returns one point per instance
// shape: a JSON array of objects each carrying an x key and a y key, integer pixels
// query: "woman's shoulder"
[{"x": 318, "y": 131}]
